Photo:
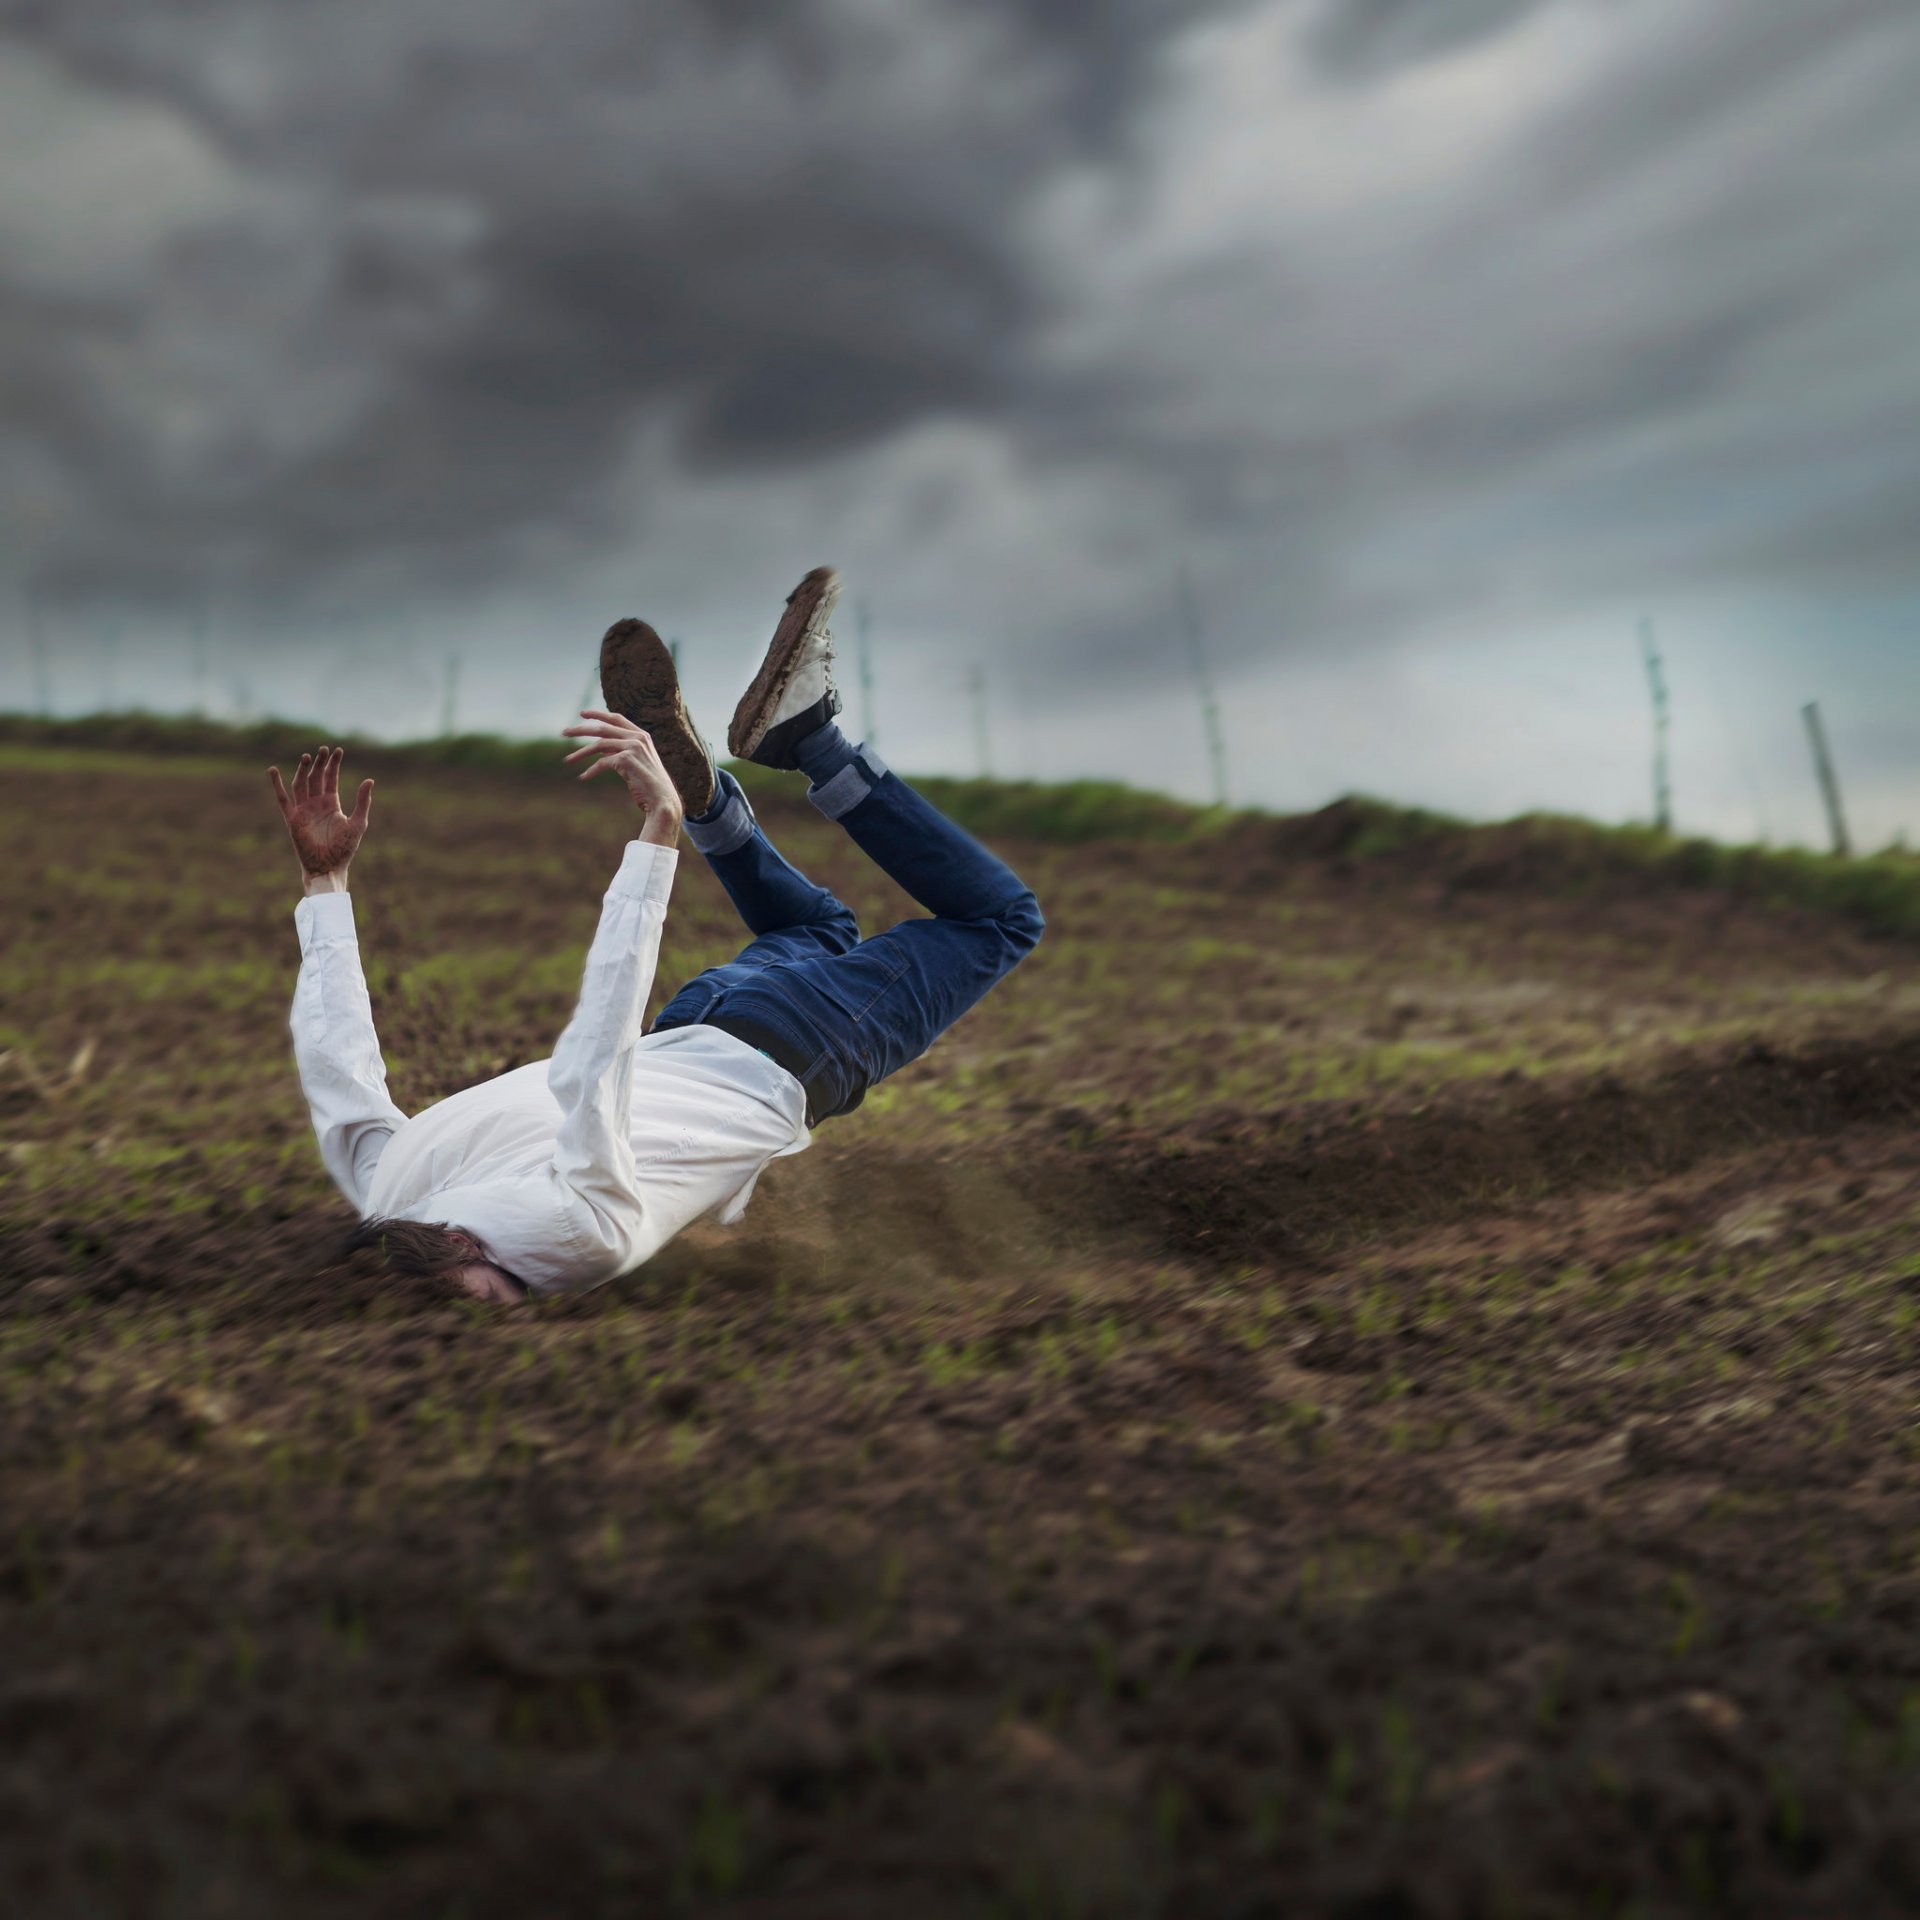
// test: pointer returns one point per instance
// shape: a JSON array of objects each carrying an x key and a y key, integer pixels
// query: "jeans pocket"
[
  {"x": 894, "y": 966},
  {"x": 857, "y": 982}
]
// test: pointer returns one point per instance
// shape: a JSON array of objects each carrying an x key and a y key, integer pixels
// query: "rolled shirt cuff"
[
  {"x": 325, "y": 920},
  {"x": 646, "y": 872}
]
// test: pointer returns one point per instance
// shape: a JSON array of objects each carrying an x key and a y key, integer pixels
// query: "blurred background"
[{"x": 1385, "y": 377}]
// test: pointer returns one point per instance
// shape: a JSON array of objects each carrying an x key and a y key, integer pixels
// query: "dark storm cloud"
[
  {"x": 481, "y": 242},
  {"x": 1378, "y": 310}
]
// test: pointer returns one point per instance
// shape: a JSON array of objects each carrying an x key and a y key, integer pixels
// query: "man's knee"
[{"x": 1022, "y": 923}]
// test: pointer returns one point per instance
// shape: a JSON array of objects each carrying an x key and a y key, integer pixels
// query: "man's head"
[{"x": 435, "y": 1253}]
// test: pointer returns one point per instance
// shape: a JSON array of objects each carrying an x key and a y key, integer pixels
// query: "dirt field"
[{"x": 1352, "y": 1386}]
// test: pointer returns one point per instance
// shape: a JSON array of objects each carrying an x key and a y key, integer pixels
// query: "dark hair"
[{"x": 415, "y": 1249}]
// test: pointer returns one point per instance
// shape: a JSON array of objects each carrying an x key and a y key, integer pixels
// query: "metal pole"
[
  {"x": 1662, "y": 723},
  {"x": 864, "y": 626},
  {"x": 977, "y": 682},
  {"x": 1203, "y": 686},
  {"x": 1829, "y": 783}
]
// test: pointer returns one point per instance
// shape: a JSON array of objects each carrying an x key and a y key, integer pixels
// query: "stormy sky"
[{"x": 1437, "y": 340}]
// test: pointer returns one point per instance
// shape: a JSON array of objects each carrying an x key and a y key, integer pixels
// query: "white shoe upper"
[
  {"x": 812, "y": 679},
  {"x": 809, "y": 697},
  {"x": 793, "y": 693}
]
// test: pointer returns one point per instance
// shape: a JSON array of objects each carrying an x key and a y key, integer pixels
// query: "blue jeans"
[{"x": 841, "y": 1013}]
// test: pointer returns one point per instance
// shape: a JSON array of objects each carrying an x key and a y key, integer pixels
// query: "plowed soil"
[{"x": 1343, "y": 1389}]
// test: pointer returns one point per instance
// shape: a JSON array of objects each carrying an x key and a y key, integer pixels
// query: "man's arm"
[
  {"x": 336, "y": 1049},
  {"x": 334, "y": 1045},
  {"x": 591, "y": 1075}
]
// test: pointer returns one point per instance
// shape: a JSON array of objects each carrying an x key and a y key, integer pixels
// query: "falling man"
[{"x": 569, "y": 1172}]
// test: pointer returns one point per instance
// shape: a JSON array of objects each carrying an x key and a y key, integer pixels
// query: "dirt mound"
[{"x": 1284, "y": 1187}]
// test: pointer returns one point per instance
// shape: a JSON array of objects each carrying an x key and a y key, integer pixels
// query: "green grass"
[
  {"x": 1550, "y": 853},
  {"x": 1559, "y": 852}
]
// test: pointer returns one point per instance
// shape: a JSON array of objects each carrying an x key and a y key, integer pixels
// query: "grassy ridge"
[
  {"x": 1069, "y": 812},
  {"x": 1540, "y": 852},
  {"x": 1562, "y": 853}
]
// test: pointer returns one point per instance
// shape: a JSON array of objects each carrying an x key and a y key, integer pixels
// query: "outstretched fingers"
[
  {"x": 611, "y": 740},
  {"x": 604, "y": 743},
  {"x": 603, "y": 733},
  {"x": 316, "y": 781},
  {"x": 599, "y": 723},
  {"x": 610, "y": 729},
  {"x": 362, "y": 807}
]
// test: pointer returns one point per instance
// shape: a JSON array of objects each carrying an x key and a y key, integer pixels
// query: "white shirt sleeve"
[
  {"x": 336, "y": 1049},
  {"x": 591, "y": 1073}
]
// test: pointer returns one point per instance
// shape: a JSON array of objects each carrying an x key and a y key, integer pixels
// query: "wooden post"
[
  {"x": 864, "y": 625},
  {"x": 977, "y": 682},
  {"x": 1829, "y": 783},
  {"x": 1657, "y": 682},
  {"x": 1203, "y": 687}
]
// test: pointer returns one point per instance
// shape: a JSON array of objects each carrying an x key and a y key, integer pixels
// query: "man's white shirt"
[{"x": 570, "y": 1171}]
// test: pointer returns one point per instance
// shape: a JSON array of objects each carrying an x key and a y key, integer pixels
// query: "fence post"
[
  {"x": 201, "y": 621},
  {"x": 1657, "y": 682},
  {"x": 1829, "y": 783},
  {"x": 450, "y": 697},
  {"x": 1203, "y": 686},
  {"x": 863, "y": 626},
  {"x": 37, "y": 646},
  {"x": 977, "y": 682},
  {"x": 110, "y": 658}
]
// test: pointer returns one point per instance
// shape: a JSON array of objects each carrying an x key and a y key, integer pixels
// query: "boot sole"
[
  {"x": 808, "y": 606},
  {"x": 638, "y": 680}
]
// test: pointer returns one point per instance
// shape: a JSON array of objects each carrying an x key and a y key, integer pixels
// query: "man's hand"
[
  {"x": 325, "y": 837},
  {"x": 616, "y": 742}
]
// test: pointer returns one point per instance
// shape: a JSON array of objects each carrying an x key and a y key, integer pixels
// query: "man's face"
[{"x": 481, "y": 1279}]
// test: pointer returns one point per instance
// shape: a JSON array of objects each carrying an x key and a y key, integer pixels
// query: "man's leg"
[
  {"x": 884, "y": 1002},
  {"x": 791, "y": 919},
  {"x": 789, "y": 916},
  {"x": 908, "y": 838}
]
